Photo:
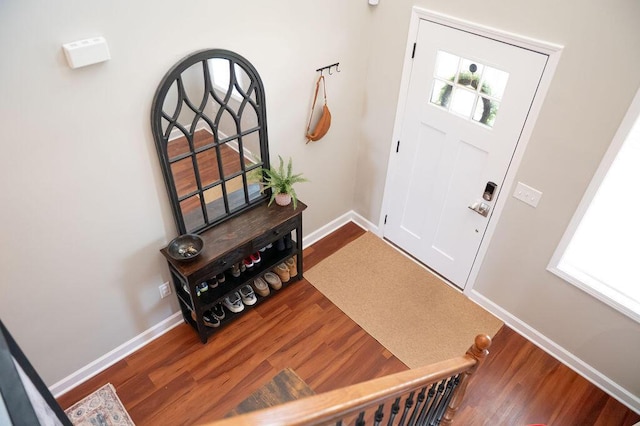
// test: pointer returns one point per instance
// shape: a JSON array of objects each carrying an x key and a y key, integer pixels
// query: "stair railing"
[{"x": 429, "y": 395}]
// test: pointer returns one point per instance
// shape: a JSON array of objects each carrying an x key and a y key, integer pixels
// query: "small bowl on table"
[{"x": 185, "y": 247}]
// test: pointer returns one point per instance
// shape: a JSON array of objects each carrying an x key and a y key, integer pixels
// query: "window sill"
[{"x": 597, "y": 289}]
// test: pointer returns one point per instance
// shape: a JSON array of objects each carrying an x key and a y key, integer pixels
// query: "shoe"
[
  {"x": 274, "y": 281},
  {"x": 247, "y": 262},
  {"x": 288, "y": 242},
  {"x": 220, "y": 278},
  {"x": 292, "y": 265},
  {"x": 280, "y": 244},
  {"x": 283, "y": 272},
  {"x": 243, "y": 267},
  {"x": 233, "y": 302},
  {"x": 248, "y": 296},
  {"x": 201, "y": 288},
  {"x": 269, "y": 246},
  {"x": 255, "y": 258},
  {"x": 218, "y": 311},
  {"x": 212, "y": 283},
  {"x": 261, "y": 287},
  {"x": 207, "y": 318},
  {"x": 235, "y": 270}
]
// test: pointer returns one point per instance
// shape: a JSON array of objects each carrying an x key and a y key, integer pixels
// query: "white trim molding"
[
  {"x": 558, "y": 352},
  {"x": 110, "y": 358},
  {"x": 107, "y": 360},
  {"x": 605, "y": 292},
  {"x": 551, "y": 50},
  {"x": 323, "y": 231}
]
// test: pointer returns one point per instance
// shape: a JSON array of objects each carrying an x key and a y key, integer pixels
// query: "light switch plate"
[{"x": 527, "y": 194}]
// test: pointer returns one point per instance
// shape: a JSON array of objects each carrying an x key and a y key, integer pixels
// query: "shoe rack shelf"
[{"x": 227, "y": 244}]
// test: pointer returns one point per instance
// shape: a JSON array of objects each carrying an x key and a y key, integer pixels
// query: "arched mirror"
[{"x": 209, "y": 124}]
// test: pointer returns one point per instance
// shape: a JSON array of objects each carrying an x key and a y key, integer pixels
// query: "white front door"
[{"x": 467, "y": 103}]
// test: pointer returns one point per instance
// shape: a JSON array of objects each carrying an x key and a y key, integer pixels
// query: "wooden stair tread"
[{"x": 284, "y": 387}]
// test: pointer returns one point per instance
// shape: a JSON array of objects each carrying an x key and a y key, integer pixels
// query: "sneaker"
[
  {"x": 201, "y": 288},
  {"x": 292, "y": 265},
  {"x": 261, "y": 287},
  {"x": 247, "y": 294},
  {"x": 210, "y": 320},
  {"x": 233, "y": 302},
  {"x": 255, "y": 258},
  {"x": 280, "y": 244},
  {"x": 218, "y": 311},
  {"x": 207, "y": 318},
  {"x": 288, "y": 241},
  {"x": 243, "y": 267},
  {"x": 247, "y": 262},
  {"x": 212, "y": 283},
  {"x": 283, "y": 272},
  {"x": 220, "y": 278},
  {"x": 274, "y": 281},
  {"x": 235, "y": 270}
]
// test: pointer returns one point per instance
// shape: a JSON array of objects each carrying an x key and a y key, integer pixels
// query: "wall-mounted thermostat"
[{"x": 86, "y": 52}]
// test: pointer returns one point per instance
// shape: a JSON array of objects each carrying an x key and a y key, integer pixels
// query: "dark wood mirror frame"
[{"x": 205, "y": 187}]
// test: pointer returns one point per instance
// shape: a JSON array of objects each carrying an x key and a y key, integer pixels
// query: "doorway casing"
[{"x": 553, "y": 51}]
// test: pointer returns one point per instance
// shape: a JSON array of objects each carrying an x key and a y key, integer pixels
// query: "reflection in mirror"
[
  {"x": 215, "y": 202},
  {"x": 202, "y": 135},
  {"x": 208, "y": 167},
  {"x": 178, "y": 147},
  {"x": 251, "y": 149},
  {"x": 208, "y": 121},
  {"x": 184, "y": 177},
  {"x": 230, "y": 159},
  {"x": 192, "y": 213},
  {"x": 248, "y": 116}
]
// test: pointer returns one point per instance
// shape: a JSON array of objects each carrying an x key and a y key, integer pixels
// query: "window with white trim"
[{"x": 600, "y": 252}]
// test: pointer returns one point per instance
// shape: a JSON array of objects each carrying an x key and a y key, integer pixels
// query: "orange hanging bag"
[{"x": 322, "y": 127}]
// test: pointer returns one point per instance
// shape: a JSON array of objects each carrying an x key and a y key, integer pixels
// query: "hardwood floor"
[{"x": 177, "y": 380}]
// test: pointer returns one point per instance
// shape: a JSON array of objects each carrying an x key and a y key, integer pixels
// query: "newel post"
[{"x": 479, "y": 352}]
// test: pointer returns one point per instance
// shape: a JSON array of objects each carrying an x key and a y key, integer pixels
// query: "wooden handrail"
[{"x": 340, "y": 403}]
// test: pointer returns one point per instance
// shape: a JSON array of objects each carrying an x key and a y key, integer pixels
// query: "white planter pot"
[{"x": 283, "y": 199}]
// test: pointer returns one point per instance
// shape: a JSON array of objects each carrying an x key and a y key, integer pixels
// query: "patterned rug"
[{"x": 101, "y": 408}]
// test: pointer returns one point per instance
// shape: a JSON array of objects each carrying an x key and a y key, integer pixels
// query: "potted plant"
[{"x": 281, "y": 184}]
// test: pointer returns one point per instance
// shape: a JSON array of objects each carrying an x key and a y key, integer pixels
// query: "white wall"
[
  {"x": 84, "y": 207},
  {"x": 592, "y": 89}
]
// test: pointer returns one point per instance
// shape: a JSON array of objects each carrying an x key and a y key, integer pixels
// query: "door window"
[{"x": 468, "y": 88}]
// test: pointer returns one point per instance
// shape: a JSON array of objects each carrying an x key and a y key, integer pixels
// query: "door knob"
[{"x": 481, "y": 208}]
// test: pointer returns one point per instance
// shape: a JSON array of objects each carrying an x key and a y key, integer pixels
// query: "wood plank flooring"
[{"x": 176, "y": 380}]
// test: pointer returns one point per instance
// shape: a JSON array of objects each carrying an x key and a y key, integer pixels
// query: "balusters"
[
  {"x": 416, "y": 409},
  {"x": 395, "y": 408},
  {"x": 407, "y": 406},
  {"x": 377, "y": 419},
  {"x": 426, "y": 406},
  {"x": 444, "y": 402}
]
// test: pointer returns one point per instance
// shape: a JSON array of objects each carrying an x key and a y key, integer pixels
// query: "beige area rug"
[
  {"x": 410, "y": 311},
  {"x": 103, "y": 408}
]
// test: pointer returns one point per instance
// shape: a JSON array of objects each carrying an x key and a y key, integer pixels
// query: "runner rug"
[
  {"x": 102, "y": 407},
  {"x": 409, "y": 310}
]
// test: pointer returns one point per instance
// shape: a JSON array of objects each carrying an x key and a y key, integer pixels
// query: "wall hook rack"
[{"x": 329, "y": 67}]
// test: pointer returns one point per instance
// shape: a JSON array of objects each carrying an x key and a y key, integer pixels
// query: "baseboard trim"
[
  {"x": 336, "y": 223},
  {"x": 558, "y": 352},
  {"x": 107, "y": 360},
  {"x": 110, "y": 358}
]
